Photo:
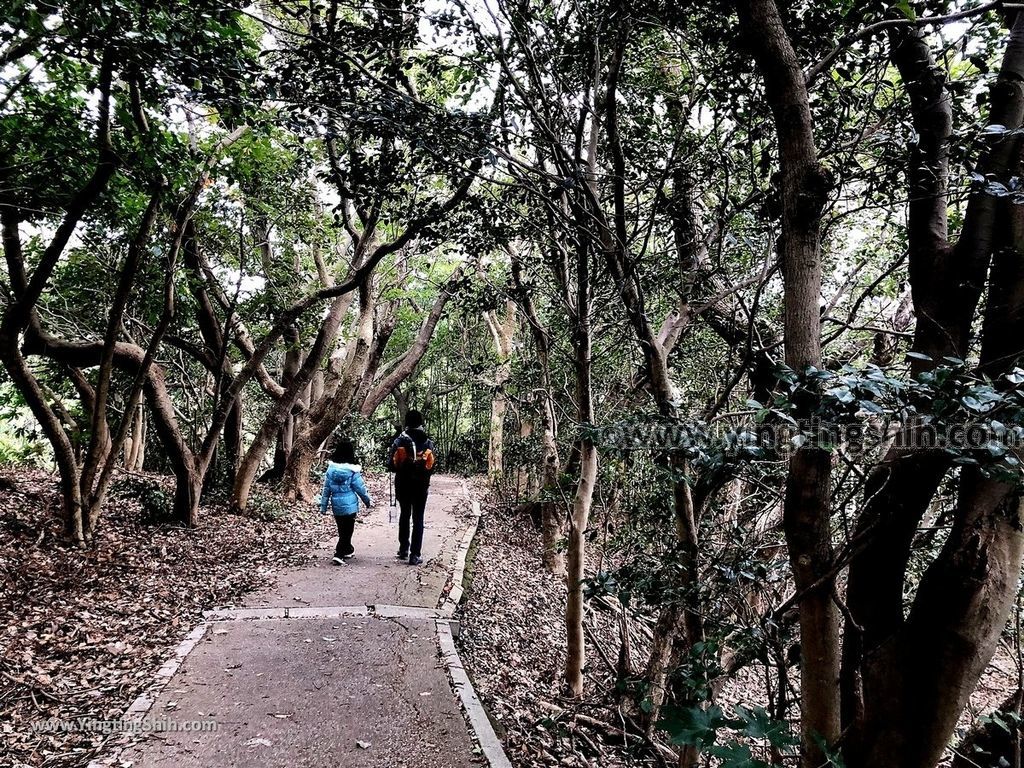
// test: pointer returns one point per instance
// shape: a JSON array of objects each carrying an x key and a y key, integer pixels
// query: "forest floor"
[
  {"x": 84, "y": 629},
  {"x": 516, "y": 663},
  {"x": 512, "y": 641}
]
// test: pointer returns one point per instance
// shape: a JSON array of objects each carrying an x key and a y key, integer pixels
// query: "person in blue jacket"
[{"x": 343, "y": 488}]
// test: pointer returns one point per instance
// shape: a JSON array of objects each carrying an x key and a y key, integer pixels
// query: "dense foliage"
[{"x": 730, "y": 293}]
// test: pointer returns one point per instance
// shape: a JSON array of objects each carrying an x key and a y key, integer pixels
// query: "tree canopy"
[{"x": 738, "y": 284}]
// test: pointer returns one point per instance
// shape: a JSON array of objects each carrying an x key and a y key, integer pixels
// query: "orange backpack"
[{"x": 407, "y": 456}]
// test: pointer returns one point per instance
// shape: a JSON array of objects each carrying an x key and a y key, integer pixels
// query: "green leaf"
[
  {"x": 842, "y": 394},
  {"x": 903, "y": 6},
  {"x": 980, "y": 62},
  {"x": 736, "y": 755},
  {"x": 694, "y": 726},
  {"x": 972, "y": 402}
]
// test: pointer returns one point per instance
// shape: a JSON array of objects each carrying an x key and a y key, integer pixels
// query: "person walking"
[
  {"x": 343, "y": 488},
  {"x": 412, "y": 459}
]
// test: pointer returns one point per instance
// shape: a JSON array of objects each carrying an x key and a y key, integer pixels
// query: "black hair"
[
  {"x": 344, "y": 452},
  {"x": 413, "y": 419}
]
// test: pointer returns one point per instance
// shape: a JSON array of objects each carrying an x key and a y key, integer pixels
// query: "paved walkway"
[{"x": 350, "y": 678}]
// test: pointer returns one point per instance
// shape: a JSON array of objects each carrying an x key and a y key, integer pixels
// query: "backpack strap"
[
  {"x": 412, "y": 444},
  {"x": 407, "y": 446}
]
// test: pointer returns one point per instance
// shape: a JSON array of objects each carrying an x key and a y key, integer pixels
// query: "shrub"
[
  {"x": 156, "y": 503},
  {"x": 267, "y": 507}
]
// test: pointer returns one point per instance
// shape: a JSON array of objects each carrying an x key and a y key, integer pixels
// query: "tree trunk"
[
  {"x": 135, "y": 447},
  {"x": 496, "y": 434},
  {"x": 552, "y": 527},
  {"x": 234, "y": 430},
  {"x": 248, "y": 468},
  {"x": 576, "y": 560},
  {"x": 806, "y": 507},
  {"x": 75, "y": 525},
  {"x": 286, "y": 433},
  {"x": 503, "y": 334},
  {"x": 188, "y": 489},
  {"x": 552, "y": 517},
  {"x": 402, "y": 406},
  {"x": 325, "y": 416},
  {"x": 917, "y": 683}
]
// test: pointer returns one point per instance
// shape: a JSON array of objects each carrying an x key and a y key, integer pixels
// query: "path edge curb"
[
  {"x": 454, "y": 596},
  {"x": 479, "y": 722},
  {"x": 144, "y": 702}
]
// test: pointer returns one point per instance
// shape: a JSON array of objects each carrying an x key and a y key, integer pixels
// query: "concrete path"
[{"x": 351, "y": 677}]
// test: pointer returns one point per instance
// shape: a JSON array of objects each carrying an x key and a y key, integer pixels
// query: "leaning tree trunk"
[
  {"x": 323, "y": 421},
  {"x": 323, "y": 418},
  {"x": 286, "y": 432},
  {"x": 248, "y": 468},
  {"x": 129, "y": 358},
  {"x": 63, "y": 451},
  {"x": 552, "y": 517}
]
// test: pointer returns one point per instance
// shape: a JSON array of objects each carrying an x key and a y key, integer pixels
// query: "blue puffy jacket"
[{"x": 343, "y": 487}]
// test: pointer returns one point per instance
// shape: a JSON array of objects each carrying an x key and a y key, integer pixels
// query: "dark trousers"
[
  {"x": 413, "y": 503},
  {"x": 346, "y": 524}
]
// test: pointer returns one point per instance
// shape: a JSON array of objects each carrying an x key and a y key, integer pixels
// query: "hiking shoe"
[
  {"x": 338, "y": 560},
  {"x": 402, "y": 554},
  {"x": 415, "y": 560}
]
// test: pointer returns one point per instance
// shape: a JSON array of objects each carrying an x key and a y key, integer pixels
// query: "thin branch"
[{"x": 873, "y": 29}]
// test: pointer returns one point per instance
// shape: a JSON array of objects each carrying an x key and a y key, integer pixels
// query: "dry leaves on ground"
[
  {"x": 512, "y": 640},
  {"x": 85, "y": 630}
]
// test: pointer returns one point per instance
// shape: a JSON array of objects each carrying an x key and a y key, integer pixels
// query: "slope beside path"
[{"x": 330, "y": 665}]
